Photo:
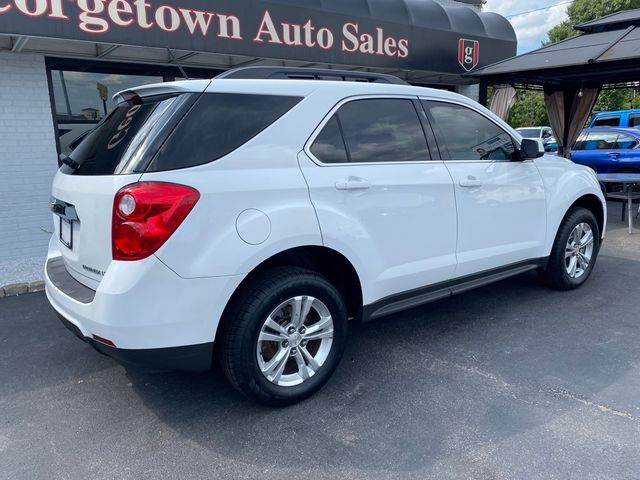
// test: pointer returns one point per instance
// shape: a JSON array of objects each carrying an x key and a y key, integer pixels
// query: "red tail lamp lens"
[{"x": 146, "y": 214}]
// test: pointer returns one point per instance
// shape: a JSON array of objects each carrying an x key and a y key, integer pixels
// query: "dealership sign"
[{"x": 275, "y": 29}]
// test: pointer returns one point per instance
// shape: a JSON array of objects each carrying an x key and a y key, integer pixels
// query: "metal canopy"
[
  {"x": 428, "y": 41},
  {"x": 136, "y": 56},
  {"x": 606, "y": 53}
]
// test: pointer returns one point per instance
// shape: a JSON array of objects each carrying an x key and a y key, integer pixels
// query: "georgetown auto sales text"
[{"x": 99, "y": 16}]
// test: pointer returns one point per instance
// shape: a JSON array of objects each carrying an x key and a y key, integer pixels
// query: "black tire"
[
  {"x": 555, "y": 274},
  {"x": 243, "y": 322}
]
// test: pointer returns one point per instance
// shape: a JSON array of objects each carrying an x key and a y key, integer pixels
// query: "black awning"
[
  {"x": 606, "y": 53},
  {"x": 398, "y": 34}
]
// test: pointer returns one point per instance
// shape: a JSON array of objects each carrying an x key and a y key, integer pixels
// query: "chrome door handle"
[
  {"x": 470, "y": 182},
  {"x": 353, "y": 183},
  {"x": 614, "y": 155}
]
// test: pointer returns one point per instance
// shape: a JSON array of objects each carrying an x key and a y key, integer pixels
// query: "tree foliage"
[
  {"x": 581, "y": 11},
  {"x": 529, "y": 110}
]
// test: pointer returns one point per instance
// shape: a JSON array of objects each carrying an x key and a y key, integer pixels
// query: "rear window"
[
  {"x": 216, "y": 125},
  {"x": 607, "y": 122},
  {"x": 529, "y": 132},
  {"x": 125, "y": 140}
]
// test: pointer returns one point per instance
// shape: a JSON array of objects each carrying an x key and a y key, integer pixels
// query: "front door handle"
[
  {"x": 353, "y": 183},
  {"x": 614, "y": 155},
  {"x": 470, "y": 182}
]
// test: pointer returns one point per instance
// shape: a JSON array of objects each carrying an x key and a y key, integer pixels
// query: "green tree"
[
  {"x": 529, "y": 110},
  {"x": 581, "y": 11}
]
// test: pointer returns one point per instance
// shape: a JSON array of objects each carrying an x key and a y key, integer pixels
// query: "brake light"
[{"x": 145, "y": 215}]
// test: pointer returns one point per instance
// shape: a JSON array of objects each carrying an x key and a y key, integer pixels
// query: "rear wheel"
[
  {"x": 283, "y": 336},
  {"x": 574, "y": 251}
]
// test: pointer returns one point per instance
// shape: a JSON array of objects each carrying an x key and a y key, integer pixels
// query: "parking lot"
[{"x": 508, "y": 381}]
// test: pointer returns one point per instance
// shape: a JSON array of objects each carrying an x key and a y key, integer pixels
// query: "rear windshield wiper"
[{"x": 69, "y": 162}]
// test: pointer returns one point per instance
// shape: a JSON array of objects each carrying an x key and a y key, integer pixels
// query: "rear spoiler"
[{"x": 184, "y": 86}]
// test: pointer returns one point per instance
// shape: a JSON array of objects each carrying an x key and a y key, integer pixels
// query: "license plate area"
[{"x": 66, "y": 232}]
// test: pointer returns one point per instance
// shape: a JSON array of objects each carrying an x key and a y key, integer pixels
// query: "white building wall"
[{"x": 27, "y": 165}]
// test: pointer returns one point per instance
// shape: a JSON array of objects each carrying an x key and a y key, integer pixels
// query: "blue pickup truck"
[{"x": 616, "y": 118}]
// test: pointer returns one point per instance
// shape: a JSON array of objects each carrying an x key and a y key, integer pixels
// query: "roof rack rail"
[{"x": 300, "y": 73}]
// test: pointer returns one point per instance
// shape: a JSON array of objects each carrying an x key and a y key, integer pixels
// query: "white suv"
[{"x": 248, "y": 219}]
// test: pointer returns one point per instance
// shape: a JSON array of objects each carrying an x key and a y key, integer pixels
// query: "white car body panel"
[
  {"x": 503, "y": 219},
  {"x": 390, "y": 226},
  {"x": 414, "y": 227}
]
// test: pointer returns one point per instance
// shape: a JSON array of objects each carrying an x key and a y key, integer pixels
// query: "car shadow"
[{"x": 469, "y": 370}]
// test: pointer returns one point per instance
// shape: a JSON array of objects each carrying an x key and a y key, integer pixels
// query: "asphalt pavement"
[{"x": 510, "y": 381}]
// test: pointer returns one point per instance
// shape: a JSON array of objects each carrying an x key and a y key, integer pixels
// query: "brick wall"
[{"x": 27, "y": 156}]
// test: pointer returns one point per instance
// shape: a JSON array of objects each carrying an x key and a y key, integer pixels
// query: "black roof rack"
[{"x": 294, "y": 73}]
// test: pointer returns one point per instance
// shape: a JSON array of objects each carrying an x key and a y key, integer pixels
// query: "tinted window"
[
  {"x": 217, "y": 124},
  {"x": 600, "y": 141},
  {"x": 467, "y": 135},
  {"x": 634, "y": 120},
  {"x": 607, "y": 122},
  {"x": 125, "y": 137},
  {"x": 626, "y": 142},
  {"x": 383, "y": 130},
  {"x": 328, "y": 147}
]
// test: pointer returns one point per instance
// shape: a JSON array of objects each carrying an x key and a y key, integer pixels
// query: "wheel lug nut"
[
  {"x": 291, "y": 330},
  {"x": 285, "y": 343},
  {"x": 303, "y": 343},
  {"x": 302, "y": 330},
  {"x": 294, "y": 351}
]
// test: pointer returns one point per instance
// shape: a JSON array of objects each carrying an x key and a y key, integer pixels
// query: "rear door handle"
[
  {"x": 470, "y": 182},
  {"x": 353, "y": 183}
]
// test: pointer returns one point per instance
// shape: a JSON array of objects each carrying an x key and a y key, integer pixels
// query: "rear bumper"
[
  {"x": 194, "y": 358},
  {"x": 148, "y": 314}
]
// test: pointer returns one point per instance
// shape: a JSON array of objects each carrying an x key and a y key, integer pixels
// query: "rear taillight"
[{"x": 145, "y": 215}]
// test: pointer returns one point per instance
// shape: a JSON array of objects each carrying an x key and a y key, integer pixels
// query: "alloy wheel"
[
  {"x": 295, "y": 341},
  {"x": 579, "y": 250}
]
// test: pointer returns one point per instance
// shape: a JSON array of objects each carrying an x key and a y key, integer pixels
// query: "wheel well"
[
  {"x": 325, "y": 261},
  {"x": 594, "y": 205}
]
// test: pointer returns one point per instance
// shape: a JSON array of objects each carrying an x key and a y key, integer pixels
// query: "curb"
[{"x": 16, "y": 289}]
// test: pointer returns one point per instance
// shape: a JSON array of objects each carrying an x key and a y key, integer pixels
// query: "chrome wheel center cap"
[{"x": 295, "y": 339}]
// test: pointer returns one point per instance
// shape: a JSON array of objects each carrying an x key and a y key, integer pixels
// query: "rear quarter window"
[{"x": 217, "y": 124}]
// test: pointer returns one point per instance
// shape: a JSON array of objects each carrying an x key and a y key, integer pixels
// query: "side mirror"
[{"x": 531, "y": 149}]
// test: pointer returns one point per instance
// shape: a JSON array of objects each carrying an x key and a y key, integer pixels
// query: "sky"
[{"x": 531, "y": 28}]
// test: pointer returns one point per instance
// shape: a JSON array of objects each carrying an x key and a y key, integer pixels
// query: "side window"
[
  {"x": 607, "y": 121},
  {"x": 216, "y": 125},
  {"x": 328, "y": 147},
  {"x": 601, "y": 141},
  {"x": 468, "y": 135},
  {"x": 580, "y": 142},
  {"x": 634, "y": 120},
  {"x": 625, "y": 142},
  {"x": 383, "y": 130}
]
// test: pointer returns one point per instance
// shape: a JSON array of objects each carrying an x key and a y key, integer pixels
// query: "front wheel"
[
  {"x": 574, "y": 251},
  {"x": 283, "y": 336}
]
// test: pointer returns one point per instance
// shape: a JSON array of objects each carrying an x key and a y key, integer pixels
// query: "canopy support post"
[{"x": 482, "y": 97}]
